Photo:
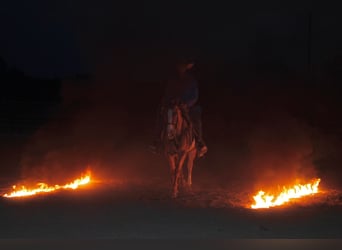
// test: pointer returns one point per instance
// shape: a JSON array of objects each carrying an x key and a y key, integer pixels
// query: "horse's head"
[{"x": 173, "y": 119}]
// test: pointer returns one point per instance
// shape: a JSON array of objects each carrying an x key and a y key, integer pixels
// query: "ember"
[
  {"x": 263, "y": 200},
  {"x": 45, "y": 188}
]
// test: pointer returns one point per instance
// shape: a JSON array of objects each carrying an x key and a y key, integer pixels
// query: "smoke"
[
  {"x": 256, "y": 141},
  {"x": 280, "y": 151},
  {"x": 107, "y": 122},
  {"x": 73, "y": 139},
  {"x": 103, "y": 123}
]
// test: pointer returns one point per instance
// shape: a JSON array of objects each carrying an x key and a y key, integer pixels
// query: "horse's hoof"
[{"x": 174, "y": 195}]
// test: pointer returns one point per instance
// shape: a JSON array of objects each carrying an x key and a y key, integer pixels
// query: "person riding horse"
[{"x": 183, "y": 87}]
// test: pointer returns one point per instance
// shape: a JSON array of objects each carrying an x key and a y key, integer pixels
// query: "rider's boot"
[{"x": 202, "y": 149}]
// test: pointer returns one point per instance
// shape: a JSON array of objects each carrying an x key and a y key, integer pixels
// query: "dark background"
[{"x": 81, "y": 81}]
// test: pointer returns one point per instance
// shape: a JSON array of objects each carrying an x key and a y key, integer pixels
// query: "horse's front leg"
[
  {"x": 182, "y": 178},
  {"x": 178, "y": 171},
  {"x": 190, "y": 165}
]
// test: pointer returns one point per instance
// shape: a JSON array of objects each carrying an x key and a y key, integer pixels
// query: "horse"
[{"x": 179, "y": 144}]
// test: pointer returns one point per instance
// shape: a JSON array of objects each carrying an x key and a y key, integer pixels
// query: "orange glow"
[
  {"x": 263, "y": 200},
  {"x": 45, "y": 188}
]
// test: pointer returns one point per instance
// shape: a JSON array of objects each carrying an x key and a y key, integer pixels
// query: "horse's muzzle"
[{"x": 171, "y": 132}]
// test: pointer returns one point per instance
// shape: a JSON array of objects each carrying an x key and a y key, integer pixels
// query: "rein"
[{"x": 184, "y": 131}]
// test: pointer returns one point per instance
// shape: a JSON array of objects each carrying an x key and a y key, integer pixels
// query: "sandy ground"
[{"x": 121, "y": 211}]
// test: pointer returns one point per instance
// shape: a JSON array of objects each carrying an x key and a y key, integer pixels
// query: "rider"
[{"x": 184, "y": 87}]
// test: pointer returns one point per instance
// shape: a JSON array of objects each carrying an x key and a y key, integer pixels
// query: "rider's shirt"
[{"x": 184, "y": 89}]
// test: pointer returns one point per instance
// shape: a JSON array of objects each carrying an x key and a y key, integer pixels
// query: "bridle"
[{"x": 172, "y": 122}]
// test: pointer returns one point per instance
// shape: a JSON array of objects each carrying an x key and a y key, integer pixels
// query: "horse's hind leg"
[
  {"x": 179, "y": 169},
  {"x": 190, "y": 165},
  {"x": 172, "y": 163}
]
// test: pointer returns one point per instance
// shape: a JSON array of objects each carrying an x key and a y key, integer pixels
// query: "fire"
[
  {"x": 263, "y": 200},
  {"x": 45, "y": 188}
]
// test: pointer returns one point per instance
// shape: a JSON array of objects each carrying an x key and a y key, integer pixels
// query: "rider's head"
[{"x": 184, "y": 64}]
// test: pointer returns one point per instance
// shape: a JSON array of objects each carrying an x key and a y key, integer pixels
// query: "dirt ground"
[{"x": 136, "y": 211}]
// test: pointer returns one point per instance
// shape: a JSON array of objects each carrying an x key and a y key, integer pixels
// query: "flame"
[
  {"x": 45, "y": 188},
  {"x": 263, "y": 200}
]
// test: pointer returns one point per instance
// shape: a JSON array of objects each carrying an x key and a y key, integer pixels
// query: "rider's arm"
[{"x": 190, "y": 96}]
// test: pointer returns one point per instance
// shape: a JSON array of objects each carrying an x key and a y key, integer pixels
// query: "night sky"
[{"x": 63, "y": 38}]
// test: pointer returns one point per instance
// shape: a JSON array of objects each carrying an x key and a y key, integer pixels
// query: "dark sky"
[{"x": 58, "y": 38}]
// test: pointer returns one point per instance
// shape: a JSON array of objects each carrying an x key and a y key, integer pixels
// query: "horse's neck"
[{"x": 181, "y": 125}]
